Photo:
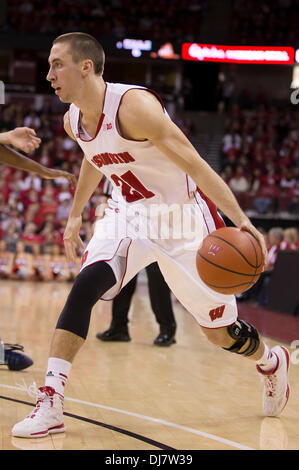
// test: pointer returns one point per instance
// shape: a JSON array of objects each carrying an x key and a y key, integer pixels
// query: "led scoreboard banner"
[
  {"x": 147, "y": 48},
  {"x": 153, "y": 49},
  {"x": 237, "y": 54}
]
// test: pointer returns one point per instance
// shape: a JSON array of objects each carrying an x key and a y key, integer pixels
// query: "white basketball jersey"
[{"x": 138, "y": 171}]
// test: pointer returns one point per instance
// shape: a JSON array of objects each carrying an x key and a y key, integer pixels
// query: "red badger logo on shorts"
[{"x": 216, "y": 312}]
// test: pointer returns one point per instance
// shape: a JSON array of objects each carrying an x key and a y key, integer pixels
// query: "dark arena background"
[{"x": 228, "y": 73}]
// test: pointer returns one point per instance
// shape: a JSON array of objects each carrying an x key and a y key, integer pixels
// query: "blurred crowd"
[
  {"x": 162, "y": 20},
  {"x": 280, "y": 239},
  {"x": 269, "y": 22},
  {"x": 260, "y": 158},
  {"x": 266, "y": 23}
]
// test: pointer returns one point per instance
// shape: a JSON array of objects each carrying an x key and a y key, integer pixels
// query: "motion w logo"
[{"x": 216, "y": 312}]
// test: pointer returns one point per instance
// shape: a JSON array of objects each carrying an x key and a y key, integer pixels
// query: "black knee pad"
[
  {"x": 241, "y": 331},
  {"x": 89, "y": 286}
]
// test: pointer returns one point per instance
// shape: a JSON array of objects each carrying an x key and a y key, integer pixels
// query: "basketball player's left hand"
[
  {"x": 50, "y": 173},
  {"x": 247, "y": 226},
  {"x": 24, "y": 138},
  {"x": 71, "y": 238}
]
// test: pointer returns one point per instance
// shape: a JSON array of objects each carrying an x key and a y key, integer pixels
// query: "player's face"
[{"x": 64, "y": 74}]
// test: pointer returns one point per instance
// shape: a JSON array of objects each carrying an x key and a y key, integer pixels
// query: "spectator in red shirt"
[
  {"x": 30, "y": 197},
  {"x": 49, "y": 205},
  {"x": 30, "y": 236}
]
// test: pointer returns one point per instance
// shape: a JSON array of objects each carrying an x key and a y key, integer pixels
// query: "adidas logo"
[{"x": 50, "y": 374}]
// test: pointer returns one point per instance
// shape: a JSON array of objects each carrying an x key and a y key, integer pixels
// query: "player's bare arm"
[
  {"x": 89, "y": 179},
  {"x": 12, "y": 158},
  {"x": 23, "y": 138},
  {"x": 141, "y": 117}
]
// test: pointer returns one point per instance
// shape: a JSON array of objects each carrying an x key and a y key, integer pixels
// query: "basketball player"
[{"x": 126, "y": 134}]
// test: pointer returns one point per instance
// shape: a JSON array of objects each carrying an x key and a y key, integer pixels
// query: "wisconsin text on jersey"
[{"x": 109, "y": 158}]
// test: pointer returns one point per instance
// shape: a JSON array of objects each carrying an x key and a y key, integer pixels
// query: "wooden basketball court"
[{"x": 137, "y": 396}]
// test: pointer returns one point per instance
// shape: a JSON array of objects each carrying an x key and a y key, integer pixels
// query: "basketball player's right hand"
[
  {"x": 71, "y": 238},
  {"x": 247, "y": 226},
  {"x": 53, "y": 173},
  {"x": 24, "y": 138}
]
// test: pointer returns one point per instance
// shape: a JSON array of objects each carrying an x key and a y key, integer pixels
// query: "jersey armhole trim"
[
  {"x": 116, "y": 114},
  {"x": 69, "y": 121}
]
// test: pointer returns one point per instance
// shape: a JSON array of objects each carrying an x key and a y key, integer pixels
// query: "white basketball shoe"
[
  {"x": 46, "y": 418},
  {"x": 276, "y": 386}
]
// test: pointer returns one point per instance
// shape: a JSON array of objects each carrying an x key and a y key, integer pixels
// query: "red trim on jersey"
[
  {"x": 157, "y": 96},
  {"x": 208, "y": 230},
  {"x": 97, "y": 131},
  {"x": 99, "y": 123},
  {"x": 116, "y": 115},
  {"x": 218, "y": 221}
]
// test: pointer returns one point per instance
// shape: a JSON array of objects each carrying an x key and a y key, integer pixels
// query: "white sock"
[
  {"x": 57, "y": 374},
  {"x": 268, "y": 360}
]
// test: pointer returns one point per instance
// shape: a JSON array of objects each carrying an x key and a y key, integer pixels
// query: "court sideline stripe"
[
  {"x": 159, "y": 445},
  {"x": 155, "y": 420}
]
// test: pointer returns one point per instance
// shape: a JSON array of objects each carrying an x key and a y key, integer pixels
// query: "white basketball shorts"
[{"x": 115, "y": 242}]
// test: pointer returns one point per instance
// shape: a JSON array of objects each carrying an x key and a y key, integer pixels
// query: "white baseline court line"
[{"x": 148, "y": 418}]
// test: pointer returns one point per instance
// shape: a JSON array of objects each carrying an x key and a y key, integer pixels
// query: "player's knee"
[
  {"x": 246, "y": 339},
  {"x": 93, "y": 282},
  {"x": 87, "y": 289},
  {"x": 240, "y": 337}
]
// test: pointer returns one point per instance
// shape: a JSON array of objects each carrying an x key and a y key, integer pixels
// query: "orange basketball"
[{"x": 230, "y": 260}]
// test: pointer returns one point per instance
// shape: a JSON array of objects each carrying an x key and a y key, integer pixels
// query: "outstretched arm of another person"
[
  {"x": 23, "y": 138},
  {"x": 26, "y": 141}
]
